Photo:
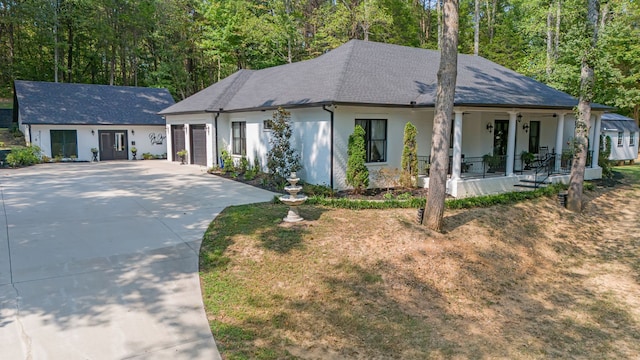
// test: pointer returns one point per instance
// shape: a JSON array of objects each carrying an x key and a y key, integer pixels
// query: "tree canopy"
[{"x": 186, "y": 45}]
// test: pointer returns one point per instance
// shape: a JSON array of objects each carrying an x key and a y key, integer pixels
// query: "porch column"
[
  {"x": 596, "y": 142},
  {"x": 457, "y": 145},
  {"x": 559, "y": 137},
  {"x": 169, "y": 142},
  {"x": 511, "y": 142}
]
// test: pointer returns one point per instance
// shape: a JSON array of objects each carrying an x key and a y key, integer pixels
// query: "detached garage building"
[
  {"x": 623, "y": 132},
  {"x": 68, "y": 120}
]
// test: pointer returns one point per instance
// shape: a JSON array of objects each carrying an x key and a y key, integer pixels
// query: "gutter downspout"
[
  {"x": 324, "y": 107},
  {"x": 215, "y": 126}
]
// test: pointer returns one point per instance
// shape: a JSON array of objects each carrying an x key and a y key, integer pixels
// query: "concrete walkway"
[{"x": 100, "y": 260}]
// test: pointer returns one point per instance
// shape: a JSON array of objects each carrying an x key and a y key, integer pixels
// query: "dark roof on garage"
[
  {"x": 617, "y": 122},
  {"x": 370, "y": 73},
  {"x": 89, "y": 104}
]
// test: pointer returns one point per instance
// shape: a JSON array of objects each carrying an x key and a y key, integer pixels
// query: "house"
[
  {"x": 623, "y": 132},
  {"x": 498, "y": 112},
  {"x": 68, "y": 120}
]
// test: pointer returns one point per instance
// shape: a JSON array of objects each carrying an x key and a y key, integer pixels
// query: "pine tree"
[
  {"x": 357, "y": 171},
  {"x": 282, "y": 158}
]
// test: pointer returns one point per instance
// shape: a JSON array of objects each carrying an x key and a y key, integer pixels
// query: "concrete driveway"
[{"x": 100, "y": 260}]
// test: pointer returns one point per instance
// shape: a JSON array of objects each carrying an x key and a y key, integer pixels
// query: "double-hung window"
[
  {"x": 375, "y": 139},
  {"x": 632, "y": 139},
  {"x": 620, "y": 137},
  {"x": 239, "y": 137}
]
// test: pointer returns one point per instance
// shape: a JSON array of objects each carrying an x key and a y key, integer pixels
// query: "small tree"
[
  {"x": 357, "y": 171},
  {"x": 282, "y": 158},
  {"x": 409, "y": 157},
  {"x": 603, "y": 157}
]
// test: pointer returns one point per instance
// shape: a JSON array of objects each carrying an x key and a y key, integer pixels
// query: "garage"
[{"x": 198, "y": 136}]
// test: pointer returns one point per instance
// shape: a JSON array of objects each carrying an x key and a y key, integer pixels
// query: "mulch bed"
[{"x": 369, "y": 194}]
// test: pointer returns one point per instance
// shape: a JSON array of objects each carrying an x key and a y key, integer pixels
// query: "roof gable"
[
  {"x": 370, "y": 73},
  {"x": 89, "y": 104}
]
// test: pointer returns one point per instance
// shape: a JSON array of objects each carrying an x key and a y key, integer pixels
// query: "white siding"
[
  {"x": 624, "y": 152},
  {"x": 146, "y": 138}
]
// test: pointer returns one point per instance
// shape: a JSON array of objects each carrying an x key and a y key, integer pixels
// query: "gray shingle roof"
[
  {"x": 85, "y": 104},
  {"x": 370, "y": 73},
  {"x": 617, "y": 122}
]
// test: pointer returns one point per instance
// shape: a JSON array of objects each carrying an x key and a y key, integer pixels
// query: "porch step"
[
  {"x": 529, "y": 186},
  {"x": 532, "y": 184},
  {"x": 544, "y": 182}
]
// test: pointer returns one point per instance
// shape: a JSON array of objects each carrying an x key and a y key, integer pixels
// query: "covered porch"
[{"x": 495, "y": 151}]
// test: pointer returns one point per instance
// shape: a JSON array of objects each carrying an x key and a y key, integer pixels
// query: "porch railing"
[
  {"x": 471, "y": 167},
  {"x": 566, "y": 160}
]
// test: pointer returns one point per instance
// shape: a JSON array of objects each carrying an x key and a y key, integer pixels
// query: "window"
[
  {"x": 64, "y": 143},
  {"x": 534, "y": 136},
  {"x": 375, "y": 138},
  {"x": 632, "y": 139},
  {"x": 239, "y": 137},
  {"x": 451, "y": 136},
  {"x": 120, "y": 143},
  {"x": 620, "y": 136}
]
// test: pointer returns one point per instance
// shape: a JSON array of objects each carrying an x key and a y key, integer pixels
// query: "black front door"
[
  {"x": 113, "y": 145},
  {"x": 500, "y": 136}
]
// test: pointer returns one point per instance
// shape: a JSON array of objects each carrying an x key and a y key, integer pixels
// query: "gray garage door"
[
  {"x": 198, "y": 144},
  {"x": 177, "y": 140}
]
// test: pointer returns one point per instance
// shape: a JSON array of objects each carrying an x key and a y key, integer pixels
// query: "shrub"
[
  {"x": 282, "y": 158},
  {"x": 603, "y": 157},
  {"x": 227, "y": 162},
  {"x": 147, "y": 156},
  {"x": 23, "y": 156},
  {"x": 409, "y": 163},
  {"x": 357, "y": 171},
  {"x": 244, "y": 165}
]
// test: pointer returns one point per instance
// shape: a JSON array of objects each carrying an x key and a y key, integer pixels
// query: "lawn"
[{"x": 530, "y": 280}]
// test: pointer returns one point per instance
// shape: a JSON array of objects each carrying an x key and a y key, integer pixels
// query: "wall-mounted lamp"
[
  {"x": 519, "y": 117},
  {"x": 93, "y": 132},
  {"x": 525, "y": 127},
  {"x": 490, "y": 127},
  {"x": 133, "y": 132}
]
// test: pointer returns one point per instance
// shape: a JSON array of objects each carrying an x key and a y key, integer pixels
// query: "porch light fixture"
[
  {"x": 93, "y": 132},
  {"x": 525, "y": 127},
  {"x": 519, "y": 117},
  {"x": 490, "y": 127},
  {"x": 133, "y": 132}
]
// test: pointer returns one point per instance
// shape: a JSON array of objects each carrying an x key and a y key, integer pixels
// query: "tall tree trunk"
[
  {"x": 447, "y": 74},
  {"x": 476, "y": 29},
  {"x": 549, "y": 40},
  {"x": 583, "y": 120},
  {"x": 70, "y": 54},
  {"x": 56, "y": 55},
  {"x": 556, "y": 50}
]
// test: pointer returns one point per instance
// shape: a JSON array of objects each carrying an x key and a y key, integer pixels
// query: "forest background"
[{"x": 187, "y": 45}]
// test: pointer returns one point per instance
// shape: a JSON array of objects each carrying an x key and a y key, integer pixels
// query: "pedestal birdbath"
[{"x": 293, "y": 200}]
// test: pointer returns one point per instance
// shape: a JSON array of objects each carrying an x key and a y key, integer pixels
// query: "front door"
[
  {"x": 500, "y": 136},
  {"x": 113, "y": 145}
]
